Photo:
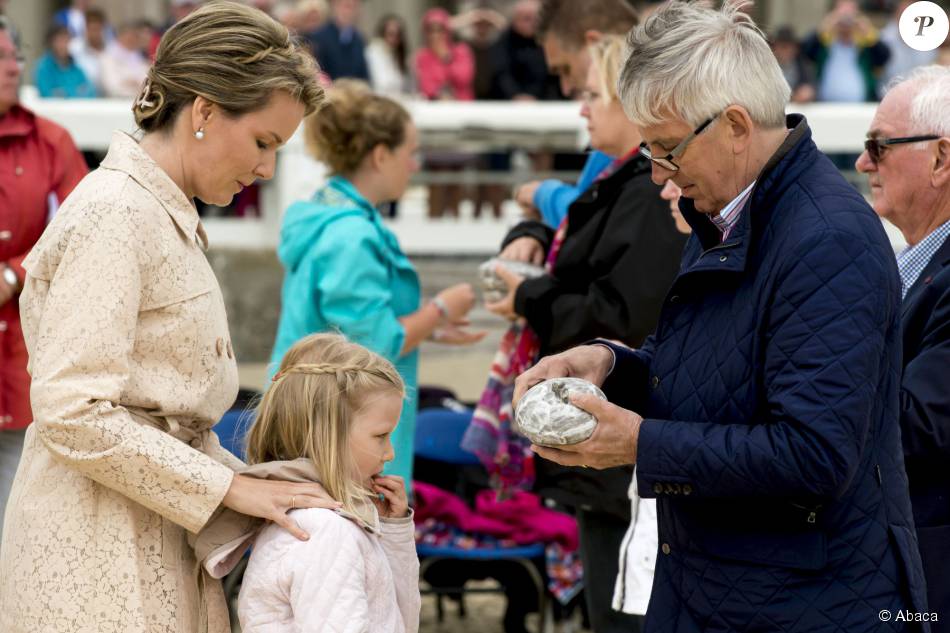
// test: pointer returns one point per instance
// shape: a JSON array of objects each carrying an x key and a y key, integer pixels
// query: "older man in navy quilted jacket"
[{"x": 763, "y": 412}]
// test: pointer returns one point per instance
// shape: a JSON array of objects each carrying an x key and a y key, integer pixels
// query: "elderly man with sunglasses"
[
  {"x": 763, "y": 412},
  {"x": 907, "y": 160}
]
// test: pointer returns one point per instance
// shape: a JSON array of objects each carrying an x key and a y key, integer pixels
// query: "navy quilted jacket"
[{"x": 771, "y": 438}]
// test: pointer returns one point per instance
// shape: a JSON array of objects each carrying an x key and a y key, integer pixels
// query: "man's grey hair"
[
  {"x": 691, "y": 61},
  {"x": 930, "y": 100}
]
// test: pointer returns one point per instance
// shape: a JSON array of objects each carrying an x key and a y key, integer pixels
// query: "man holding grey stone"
[{"x": 763, "y": 412}]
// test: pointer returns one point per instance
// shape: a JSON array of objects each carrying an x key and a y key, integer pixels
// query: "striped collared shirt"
[
  {"x": 913, "y": 259},
  {"x": 728, "y": 217}
]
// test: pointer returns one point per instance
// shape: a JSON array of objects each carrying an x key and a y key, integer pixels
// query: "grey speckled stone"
[
  {"x": 546, "y": 416},
  {"x": 493, "y": 287}
]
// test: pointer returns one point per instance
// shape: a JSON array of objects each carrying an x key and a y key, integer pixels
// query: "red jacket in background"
[
  {"x": 451, "y": 78},
  {"x": 39, "y": 166}
]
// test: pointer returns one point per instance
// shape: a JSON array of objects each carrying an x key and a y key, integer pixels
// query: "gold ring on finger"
[{"x": 293, "y": 502}]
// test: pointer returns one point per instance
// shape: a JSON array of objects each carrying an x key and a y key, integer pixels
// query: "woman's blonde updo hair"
[
  {"x": 308, "y": 410},
  {"x": 353, "y": 121},
  {"x": 232, "y": 55},
  {"x": 607, "y": 55}
]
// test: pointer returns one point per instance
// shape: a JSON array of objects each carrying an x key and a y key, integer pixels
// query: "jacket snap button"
[
  {"x": 666, "y": 548},
  {"x": 658, "y": 489},
  {"x": 219, "y": 346},
  {"x": 687, "y": 489},
  {"x": 723, "y": 258},
  {"x": 655, "y": 382},
  {"x": 5, "y": 235}
]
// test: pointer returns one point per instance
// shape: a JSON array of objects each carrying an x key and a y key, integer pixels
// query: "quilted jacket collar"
[
  {"x": 781, "y": 170},
  {"x": 126, "y": 155}
]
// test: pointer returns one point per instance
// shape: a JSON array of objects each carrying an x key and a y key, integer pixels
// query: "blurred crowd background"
[
  {"x": 472, "y": 51},
  {"x": 838, "y": 51},
  {"x": 460, "y": 50}
]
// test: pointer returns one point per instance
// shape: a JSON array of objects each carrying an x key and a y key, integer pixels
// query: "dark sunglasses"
[{"x": 875, "y": 146}]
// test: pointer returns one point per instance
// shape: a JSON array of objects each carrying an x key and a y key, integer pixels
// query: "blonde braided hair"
[
  {"x": 308, "y": 410},
  {"x": 341, "y": 372}
]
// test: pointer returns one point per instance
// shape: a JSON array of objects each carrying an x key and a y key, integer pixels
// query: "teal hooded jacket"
[{"x": 345, "y": 272}]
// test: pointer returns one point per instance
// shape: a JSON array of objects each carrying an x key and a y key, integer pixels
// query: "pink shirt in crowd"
[{"x": 450, "y": 78}]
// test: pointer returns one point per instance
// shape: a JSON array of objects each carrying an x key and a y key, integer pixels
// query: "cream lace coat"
[{"x": 132, "y": 365}]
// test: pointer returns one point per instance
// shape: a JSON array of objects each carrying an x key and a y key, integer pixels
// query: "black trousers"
[{"x": 601, "y": 535}]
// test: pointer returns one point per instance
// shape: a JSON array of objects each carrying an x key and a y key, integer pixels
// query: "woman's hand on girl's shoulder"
[
  {"x": 394, "y": 503},
  {"x": 272, "y": 500}
]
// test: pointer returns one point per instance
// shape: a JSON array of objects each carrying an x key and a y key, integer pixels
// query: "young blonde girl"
[{"x": 329, "y": 413}]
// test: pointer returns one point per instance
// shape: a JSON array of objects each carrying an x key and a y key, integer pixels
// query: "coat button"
[
  {"x": 655, "y": 381},
  {"x": 3, "y": 326},
  {"x": 723, "y": 258},
  {"x": 676, "y": 489},
  {"x": 658, "y": 489},
  {"x": 687, "y": 490},
  {"x": 195, "y": 443},
  {"x": 230, "y": 350},
  {"x": 5, "y": 235},
  {"x": 219, "y": 346},
  {"x": 674, "y": 298},
  {"x": 19, "y": 170},
  {"x": 666, "y": 548}
]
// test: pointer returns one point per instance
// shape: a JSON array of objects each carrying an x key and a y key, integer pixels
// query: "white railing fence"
[{"x": 462, "y": 126}]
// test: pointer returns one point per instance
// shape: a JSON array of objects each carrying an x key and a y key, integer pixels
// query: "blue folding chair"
[
  {"x": 232, "y": 429},
  {"x": 438, "y": 438}
]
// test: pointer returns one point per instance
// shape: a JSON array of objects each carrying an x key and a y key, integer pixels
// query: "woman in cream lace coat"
[{"x": 129, "y": 348}]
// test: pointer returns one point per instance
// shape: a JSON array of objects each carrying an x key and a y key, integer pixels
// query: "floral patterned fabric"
[{"x": 132, "y": 365}]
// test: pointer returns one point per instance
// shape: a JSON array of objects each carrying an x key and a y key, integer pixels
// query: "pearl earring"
[{"x": 200, "y": 134}]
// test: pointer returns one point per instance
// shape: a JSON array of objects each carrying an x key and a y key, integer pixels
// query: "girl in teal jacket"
[{"x": 344, "y": 269}]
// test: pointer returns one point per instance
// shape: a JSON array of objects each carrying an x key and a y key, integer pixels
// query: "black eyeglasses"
[
  {"x": 666, "y": 162},
  {"x": 875, "y": 146}
]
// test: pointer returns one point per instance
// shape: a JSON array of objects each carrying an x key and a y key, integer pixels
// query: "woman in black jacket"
[{"x": 609, "y": 267}]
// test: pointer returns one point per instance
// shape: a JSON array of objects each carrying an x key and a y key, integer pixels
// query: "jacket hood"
[{"x": 305, "y": 221}]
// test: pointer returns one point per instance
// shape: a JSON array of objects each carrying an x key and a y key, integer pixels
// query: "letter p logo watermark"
[
  {"x": 924, "y": 26},
  {"x": 925, "y": 21}
]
